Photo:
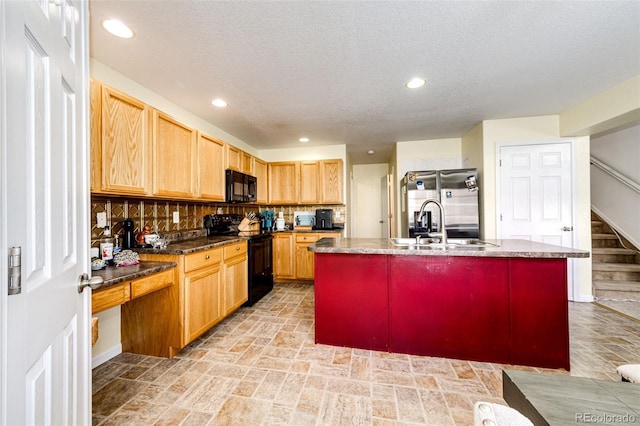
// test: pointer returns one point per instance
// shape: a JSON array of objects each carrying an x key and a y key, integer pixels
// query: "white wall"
[
  {"x": 367, "y": 196},
  {"x": 433, "y": 154},
  {"x": 615, "y": 202},
  {"x": 110, "y": 77}
]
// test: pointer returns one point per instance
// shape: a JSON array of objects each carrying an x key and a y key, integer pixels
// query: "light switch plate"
[
  {"x": 101, "y": 219},
  {"x": 176, "y": 217}
]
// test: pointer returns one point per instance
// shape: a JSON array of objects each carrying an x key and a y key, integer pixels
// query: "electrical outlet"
[
  {"x": 337, "y": 215},
  {"x": 101, "y": 219},
  {"x": 176, "y": 217}
]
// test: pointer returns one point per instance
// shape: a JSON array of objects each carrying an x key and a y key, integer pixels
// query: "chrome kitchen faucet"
[{"x": 442, "y": 227}]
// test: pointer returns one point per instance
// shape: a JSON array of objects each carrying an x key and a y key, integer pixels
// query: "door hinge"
[
  {"x": 15, "y": 270},
  {"x": 500, "y": 162},
  {"x": 500, "y": 217}
]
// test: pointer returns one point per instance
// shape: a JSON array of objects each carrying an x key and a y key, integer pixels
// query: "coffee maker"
[{"x": 324, "y": 219}]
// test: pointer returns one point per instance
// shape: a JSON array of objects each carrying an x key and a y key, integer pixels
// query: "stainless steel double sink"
[{"x": 435, "y": 243}]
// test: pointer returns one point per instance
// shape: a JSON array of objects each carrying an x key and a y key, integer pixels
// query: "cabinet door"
[
  {"x": 95, "y": 98},
  {"x": 210, "y": 168},
  {"x": 203, "y": 296},
  {"x": 283, "y": 182},
  {"x": 125, "y": 147},
  {"x": 233, "y": 158},
  {"x": 283, "y": 255},
  {"x": 236, "y": 283},
  {"x": 246, "y": 163},
  {"x": 174, "y": 152},
  {"x": 260, "y": 172},
  {"x": 304, "y": 257},
  {"x": 309, "y": 182},
  {"x": 331, "y": 178}
]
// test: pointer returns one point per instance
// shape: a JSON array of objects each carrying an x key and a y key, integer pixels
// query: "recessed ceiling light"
[
  {"x": 414, "y": 83},
  {"x": 219, "y": 103},
  {"x": 371, "y": 152},
  {"x": 117, "y": 28},
  {"x": 304, "y": 139}
]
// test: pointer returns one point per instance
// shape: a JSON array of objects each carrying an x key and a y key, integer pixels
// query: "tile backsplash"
[{"x": 159, "y": 214}]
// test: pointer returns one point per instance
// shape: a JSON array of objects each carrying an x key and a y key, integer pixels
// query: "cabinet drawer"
[
  {"x": 202, "y": 259},
  {"x": 235, "y": 249},
  {"x": 110, "y": 297},
  {"x": 145, "y": 285},
  {"x": 307, "y": 238}
]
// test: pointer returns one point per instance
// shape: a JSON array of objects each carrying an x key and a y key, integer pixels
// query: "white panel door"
[
  {"x": 536, "y": 196},
  {"x": 536, "y": 193},
  {"x": 45, "y": 199}
]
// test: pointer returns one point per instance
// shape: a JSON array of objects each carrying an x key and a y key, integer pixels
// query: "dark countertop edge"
[
  {"x": 544, "y": 251},
  {"x": 301, "y": 231},
  {"x": 194, "y": 245},
  {"x": 115, "y": 275}
]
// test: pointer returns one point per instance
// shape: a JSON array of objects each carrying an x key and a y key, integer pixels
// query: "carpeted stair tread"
[{"x": 617, "y": 285}]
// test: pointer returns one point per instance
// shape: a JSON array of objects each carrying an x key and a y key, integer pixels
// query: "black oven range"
[{"x": 259, "y": 253}]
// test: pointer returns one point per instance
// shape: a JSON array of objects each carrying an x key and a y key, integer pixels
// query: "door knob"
[
  {"x": 567, "y": 228},
  {"x": 93, "y": 282}
]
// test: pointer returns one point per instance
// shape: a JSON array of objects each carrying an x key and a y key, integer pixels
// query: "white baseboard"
[
  {"x": 584, "y": 298},
  {"x": 106, "y": 355}
]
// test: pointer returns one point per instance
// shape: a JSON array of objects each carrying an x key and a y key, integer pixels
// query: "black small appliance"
[
  {"x": 240, "y": 187},
  {"x": 128, "y": 237},
  {"x": 324, "y": 219}
]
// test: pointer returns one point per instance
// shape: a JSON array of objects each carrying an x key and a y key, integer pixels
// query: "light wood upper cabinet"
[
  {"x": 309, "y": 183},
  {"x": 95, "y": 98},
  {"x": 246, "y": 163},
  {"x": 174, "y": 153},
  {"x": 332, "y": 181},
  {"x": 260, "y": 172},
  {"x": 211, "y": 174},
  {"x": 124, "y": 144},
  {"x": 283, "y": 182},
  {"x": 233, "y": 158}
]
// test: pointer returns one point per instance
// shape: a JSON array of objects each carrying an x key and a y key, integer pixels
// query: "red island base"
[{"x": 491, "y": 309}]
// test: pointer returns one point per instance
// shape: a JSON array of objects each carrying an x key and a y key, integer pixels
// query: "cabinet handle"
[
  {"x": 237, "y": 248},
  {"x": 207, "y": 257}
]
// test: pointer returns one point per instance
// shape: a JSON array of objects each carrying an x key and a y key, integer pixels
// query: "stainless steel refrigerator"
[{"x": 456, "y": 190}]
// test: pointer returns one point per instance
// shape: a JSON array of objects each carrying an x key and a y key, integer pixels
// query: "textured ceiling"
[{"x": 334, "y": 71}]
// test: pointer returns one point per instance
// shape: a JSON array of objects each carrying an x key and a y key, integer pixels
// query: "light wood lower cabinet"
[
  {"x": 236, "y": 276},
  {"x": 202, "y": 294},
  {"x": 211, "y": 284},
  {"x": 291, "y": 258},
  {"x": 283, "y": 256}
]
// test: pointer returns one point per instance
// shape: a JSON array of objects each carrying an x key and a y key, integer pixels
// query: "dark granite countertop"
[
  {"x": 115, "y": 275},
  {"x": 500, "y": 248},
  {"x": 310, "y": 230},
  {"x": 194, "y": 245}
]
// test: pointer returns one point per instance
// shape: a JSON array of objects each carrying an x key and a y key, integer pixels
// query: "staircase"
[{"x": 616, "y": 270}]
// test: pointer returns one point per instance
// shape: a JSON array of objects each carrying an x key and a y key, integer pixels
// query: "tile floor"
[{"x": 261, "y": 367}]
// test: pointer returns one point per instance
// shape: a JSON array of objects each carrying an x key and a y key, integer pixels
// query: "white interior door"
[
  {"x": 386, "y": 213},
  {"x": 536, "y": 194},
  {"x": 45, "y": 212}
]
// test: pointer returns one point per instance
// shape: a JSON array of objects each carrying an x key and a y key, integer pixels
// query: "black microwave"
[{"x": 241, "y": 188}]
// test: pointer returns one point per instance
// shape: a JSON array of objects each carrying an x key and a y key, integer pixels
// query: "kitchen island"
[{"x": 504, "y": 302}]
